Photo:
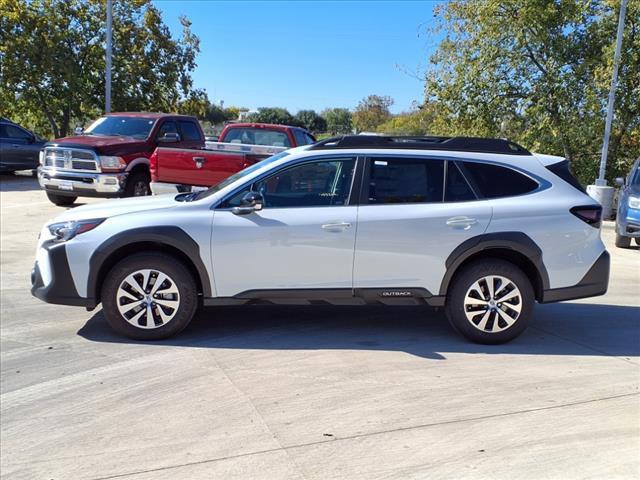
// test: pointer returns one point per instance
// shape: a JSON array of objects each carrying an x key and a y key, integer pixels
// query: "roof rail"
[{"x": 464, "y": 144}]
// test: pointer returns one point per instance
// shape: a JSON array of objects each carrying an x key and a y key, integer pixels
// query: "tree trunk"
[{"x": 47, "y": 112}]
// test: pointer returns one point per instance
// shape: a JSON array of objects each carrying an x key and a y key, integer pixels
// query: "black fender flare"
[
  {"x": 168, "y": 235},
  {"x": 517, "y": 241}
]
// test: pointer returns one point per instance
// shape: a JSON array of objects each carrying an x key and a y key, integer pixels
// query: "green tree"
[
  {"x": 273, "y": 115},
  {"x": 372, "y": 112},
  {"x": 52, "y": 61},
  {"x": 421, "y": 121},
  {"x": 538, "y": 71},
  {"x": 338, "y": 120},
  {"x": 310, "y": 120}
]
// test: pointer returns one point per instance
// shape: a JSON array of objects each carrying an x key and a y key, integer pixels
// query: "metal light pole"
[
  {"x": 612, "y": 96},
  {"x": 600, "y": 191},
  {"x": 107, "y": 73}
]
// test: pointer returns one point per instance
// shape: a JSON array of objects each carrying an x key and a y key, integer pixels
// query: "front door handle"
[
  {"x": 338, "y": 226},
  {"x": 464, "y": 223}
]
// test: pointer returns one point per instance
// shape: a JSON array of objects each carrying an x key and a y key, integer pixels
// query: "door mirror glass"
[
  {"x": 251, "y": 202},
  {"x": 169, "y": 137}
]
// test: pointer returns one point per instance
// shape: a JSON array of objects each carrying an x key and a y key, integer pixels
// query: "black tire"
[
  {"x": 456, "y": 309},
  {"x": 637, "y": 239},
  {"x": 138, "y": 184},
  {"x": 622, "y": 241},
  {"x": 178, "y": 274},
  {"x": 61, "y": 200}
]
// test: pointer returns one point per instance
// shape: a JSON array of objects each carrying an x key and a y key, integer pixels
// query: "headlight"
[
  {"x": 41, "y": 158},
  {"x": 634, "y": 202},
  {"x": 112, "y": 163},
  {"x": 64, "y": 231}
]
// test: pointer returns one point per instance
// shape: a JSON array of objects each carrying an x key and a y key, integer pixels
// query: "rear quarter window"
[{"x": 495, "y": 181}]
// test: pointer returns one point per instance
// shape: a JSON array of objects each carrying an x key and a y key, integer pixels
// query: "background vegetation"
[{"x": 535, "y": 71}]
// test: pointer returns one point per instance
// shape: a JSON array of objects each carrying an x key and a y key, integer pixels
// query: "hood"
[
  {"x": 102, "y": 144},
  {"x": 112, "y": 208}
]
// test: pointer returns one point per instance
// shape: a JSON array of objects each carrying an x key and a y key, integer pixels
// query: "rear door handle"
[
  {"x": 200, "y": 161},
  {"x": 464, "y": 223},
  {"x": 336, "y": 226}
]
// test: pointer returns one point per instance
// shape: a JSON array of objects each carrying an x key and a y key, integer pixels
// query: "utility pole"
[
  {"x": 601, "y": 181},
  {"x": 600, "y": 191},
  {"x": 107, "y": 73}
]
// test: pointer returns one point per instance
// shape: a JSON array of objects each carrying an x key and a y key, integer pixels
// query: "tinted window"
[
  {"x": 129, "y": 126},
  {"x": 167, "y": 127},
  {"x": 189, "y": 131},
  {"x": 494, "y": 181},
  {"x": 9, "y": 131},
  {"x": 302, "y": 138},
  {"x": 399, "y": 180},
  {"x": 456, "y": 187},
  {"x": 257, "y": 136},
  {"x": 314, "y": 184}
]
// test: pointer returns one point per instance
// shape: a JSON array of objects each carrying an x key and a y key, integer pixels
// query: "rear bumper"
[
  {"x": 83, "y": 184},
  {"x": 593, "y": 284},
  {"x": 159, "y": 188},
  {"x": 51, "y": 279}
]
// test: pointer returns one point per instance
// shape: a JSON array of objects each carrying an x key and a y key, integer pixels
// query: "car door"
[
  {"x": 410, "y": 220},
  {"x": 303, "y": 238},
  {"x": 18, "y": 151}
]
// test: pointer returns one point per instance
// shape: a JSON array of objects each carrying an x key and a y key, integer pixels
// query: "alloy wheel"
[
  {"x": 493, "y": 303},
  {"x": 148, "y": 299}
]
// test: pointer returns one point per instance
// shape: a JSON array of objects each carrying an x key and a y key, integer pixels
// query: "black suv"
[{"x": 19, "y": 148}]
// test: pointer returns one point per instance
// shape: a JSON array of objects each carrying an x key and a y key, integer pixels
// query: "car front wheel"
[
  {"x": 490, "y": 301},
  {"x": 149, "y": 296},
  {"x": 622, "y": 241},
  {"x": 61, "y": 200}
]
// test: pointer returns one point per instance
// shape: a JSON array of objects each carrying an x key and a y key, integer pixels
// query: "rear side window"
[
  {"x": 562, "y": 170},
  {"x": 493, "y": 181},
  {"x": 405, "y": 180},
  {"x": 457, "y": 188},
  {"x": 189, "y": 131},
  {"x": 257, "y": 136}
]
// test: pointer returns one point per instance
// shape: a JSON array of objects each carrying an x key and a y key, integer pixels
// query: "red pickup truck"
[
  {"x": 111, "y": 157},
  {"x": 178, "y": 169}
]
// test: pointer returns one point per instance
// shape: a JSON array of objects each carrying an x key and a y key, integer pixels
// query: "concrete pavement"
[{"x": 312, "y": 392}]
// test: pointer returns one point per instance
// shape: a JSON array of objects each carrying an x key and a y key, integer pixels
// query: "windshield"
[
  {"x": 635, "y": 179},
  {"x": 237, "y": 176},
  {"x": 135, "y": 127}
]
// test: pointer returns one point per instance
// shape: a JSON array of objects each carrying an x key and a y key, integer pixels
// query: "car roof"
[{"x": 145, "y": 115}]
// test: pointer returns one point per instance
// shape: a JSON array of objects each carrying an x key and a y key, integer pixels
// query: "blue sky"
[{"x": 307, "y": 54}]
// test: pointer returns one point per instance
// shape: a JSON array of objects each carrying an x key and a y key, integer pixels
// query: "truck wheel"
[
  {"x": 490, "y": 301},
  {"x": 638, "y": 241},
  {"x": 622, "y": 241},
  {"x": 149, "y": 296},
  {"x": 137, "y": 185},
  {"x": 61, "y": 200}
]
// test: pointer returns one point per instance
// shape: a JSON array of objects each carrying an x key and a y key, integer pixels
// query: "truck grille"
[{"x": 62, "y": 158}]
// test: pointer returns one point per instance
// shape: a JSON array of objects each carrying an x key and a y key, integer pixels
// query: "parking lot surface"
[{"x": 312, "y": 392}]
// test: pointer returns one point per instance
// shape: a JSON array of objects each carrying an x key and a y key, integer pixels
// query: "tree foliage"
[
  {"x": 338, "y": 120},
  {"x": 310, "y": 120},
  {"x": 275, "y": 115},
  {"x": 538, "y": 72},
  {"x": 371, "y": 112},
  {"x": 52, "y": 61}
]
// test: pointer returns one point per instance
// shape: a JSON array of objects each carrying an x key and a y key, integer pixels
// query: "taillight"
[
  {"x": 153, "y": 166},
  {"x": 591, "y": 214}
]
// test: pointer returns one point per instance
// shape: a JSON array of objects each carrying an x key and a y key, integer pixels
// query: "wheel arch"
[
  {"x": 166, "y": 239},
  {"x": 515, "y": 247}
]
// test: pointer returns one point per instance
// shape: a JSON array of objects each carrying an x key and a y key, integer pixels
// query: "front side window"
[
  {"x": 302, "y": 138},
  {"x": 136, "y": 127},
  {"x": 494, "y": 181},
  {"x": 9, "y": 131},
  {"x": 405, "y": 180},
  {"x": 315, "y": 184},
  {"x": 257, "y": 136},
  {"x": 167, "y": 127}
]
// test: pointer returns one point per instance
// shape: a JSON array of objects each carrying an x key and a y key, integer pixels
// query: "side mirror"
[
  {"x": 620, "y": 182},
  {"x": 78, "y": 130},
  {"x": 169, "y": 138},
  {"x": 251, "y": 202}
]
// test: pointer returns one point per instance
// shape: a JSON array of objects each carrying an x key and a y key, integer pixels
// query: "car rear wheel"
[
  {"x": 622, "y": 241},
  {"x": 61, "y": 200},
  {"x": 149, "y": 296},
  {"x": 490, "y": 301}
]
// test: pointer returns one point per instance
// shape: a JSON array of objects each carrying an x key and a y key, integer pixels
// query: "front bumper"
[
  {"x": 628, "y": 227},
  {"x": 594, "y": 283},
  {"x": 51, "y": 279},
  {"x": 82, "y": 184}
]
